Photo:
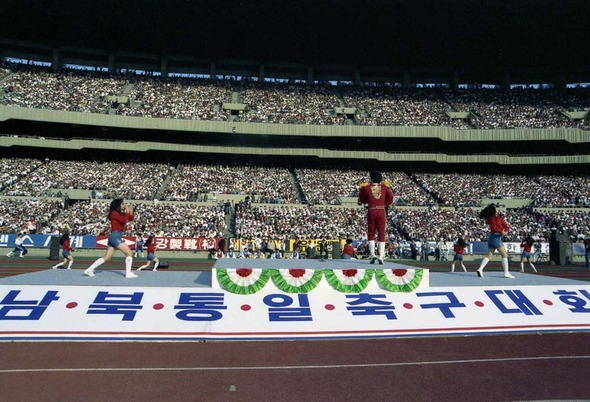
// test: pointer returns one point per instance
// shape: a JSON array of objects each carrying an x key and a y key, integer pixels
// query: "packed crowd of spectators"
[
  {"x": 282, "y": 221},
  {"x": 263, "y": 185},
  {"x": 414, "y": 218},
  {"x": 294, "y": 103},
  {"x": 48, "y": 216},
  {"x": 328, "y": 187},
  {"x": 195, "y": 182},
  {"x": 125, "y": 179},
  {"x": 519, "y": 108},
  {"x": 178, "y": 98},
  {"x": 14, "y": 169},
  {"x": 289, "y": 104},
  {"x": 69, "y": 91}
]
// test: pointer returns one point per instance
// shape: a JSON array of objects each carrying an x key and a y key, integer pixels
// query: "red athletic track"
[{"x": 482, "y": 368}]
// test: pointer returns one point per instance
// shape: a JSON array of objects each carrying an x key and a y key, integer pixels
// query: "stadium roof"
[{"x": 482, "y": 35}]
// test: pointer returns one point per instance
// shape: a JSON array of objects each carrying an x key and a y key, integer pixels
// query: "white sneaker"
[
  {"x": 480, "y": 273},
  {"x": 21, "y": 256},
  {"x": 54, "y": 267},
  {"x": 88, "y": 273},
  {"x": 131, "y": 275},
  {"x": 9, "y": 255},
  {"x": 155, "y": 270},
  {"x": 509, "y": 276}
]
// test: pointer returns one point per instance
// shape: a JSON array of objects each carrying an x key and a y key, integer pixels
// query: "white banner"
[{"x": 130, "y": 313}]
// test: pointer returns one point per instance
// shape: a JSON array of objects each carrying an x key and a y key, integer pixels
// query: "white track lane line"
[{"x": 329, "y": 366}]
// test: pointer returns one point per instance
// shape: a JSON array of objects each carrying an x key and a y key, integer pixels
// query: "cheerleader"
[
  {"x": 498, "y": 229},
  {"x": 459, "y": 249},
  {"x": 119, "y": 215},
  {"x": 64, "y": 242},
  {"x": 151, "y": 255},
  {"x": 526, "y": 246}
]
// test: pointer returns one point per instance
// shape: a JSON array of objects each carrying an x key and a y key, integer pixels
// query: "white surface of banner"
[{"x": 150, "y": 313}]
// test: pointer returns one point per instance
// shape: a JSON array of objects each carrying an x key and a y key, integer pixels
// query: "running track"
[
  {"x": 494, "y": 368},
  {"x": 483, "y": 368}
]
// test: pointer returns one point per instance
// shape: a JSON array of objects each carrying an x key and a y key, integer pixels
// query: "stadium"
[{"x": 255, "y": 123}]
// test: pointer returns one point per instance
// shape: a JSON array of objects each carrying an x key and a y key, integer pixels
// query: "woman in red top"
[
  {"x": 526, "y": 246},
  {"x": 459, "y": 249},
  {"x": 498, "y": 229},
  {"x": 151, "y": 255},
  {"x": 67, "y": 249},
  {"x": 119, "y": 214},
  {"x": 348, "y": 251}
]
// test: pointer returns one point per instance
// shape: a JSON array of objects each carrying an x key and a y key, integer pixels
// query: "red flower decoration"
[
  {"x": 399, "y": 272},
  {"x": 297, "y": 273},
  {"x": 350, "y": 272},
  {"x": 244, "y": 272}
]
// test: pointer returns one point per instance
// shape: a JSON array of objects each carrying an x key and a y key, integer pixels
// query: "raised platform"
[
  {"x": 180, "y": 306},
  {"x": 165, "y": 278}
]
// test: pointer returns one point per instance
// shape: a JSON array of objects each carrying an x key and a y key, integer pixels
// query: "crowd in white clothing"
[
  {"x": 124, "y": 179},
  {"x": 294, "y": 103},
  {"x": 261, "y": 184},
  {"x": 196, "y": 182}
]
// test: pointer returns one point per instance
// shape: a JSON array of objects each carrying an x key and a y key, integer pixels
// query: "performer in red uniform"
[
  {"x": 498, "y": 229},
  {"x": 119, "y": 215},
  {"x": 378, "y": 196},
  {"x": 67, "y": 249},
  {"x": 151, "y": 255},
  {"x": 526, "y": 246},
  {"x": 459, "y": 249}
]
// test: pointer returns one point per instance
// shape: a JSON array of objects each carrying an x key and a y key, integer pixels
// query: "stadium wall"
[
  {"x": 8, "y": 141},
  {"x": 571, "y": 135}
]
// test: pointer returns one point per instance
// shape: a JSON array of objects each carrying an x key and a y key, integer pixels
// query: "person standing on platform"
[
  {"x": 151, "y": 255},
  {"x": 459, "y": 249},
  {"x": 119, "y": 214},
  {"x": 498, "y": 229},
  {"x": 67, "y": 249},
  {"x": 526, "y": 247},
  {"x": 377, "y": 196}
]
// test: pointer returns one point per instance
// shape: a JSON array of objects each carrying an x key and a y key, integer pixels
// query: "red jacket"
[
  {"x": 119, "y": 220},
  {"x": 376, "y": 195},
  {"x": 497, "y": 224}
]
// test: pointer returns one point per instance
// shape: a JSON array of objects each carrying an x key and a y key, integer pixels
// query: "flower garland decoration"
[
  {"x": 349, "y": 280},
  {"x": 296, "y": 280},
  {"x": 399, "y": 280},
  {"x": 243, "y": 281}
]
